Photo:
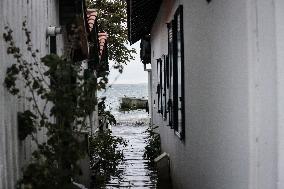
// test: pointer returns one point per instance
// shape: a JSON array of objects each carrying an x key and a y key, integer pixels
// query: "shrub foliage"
[
  {"x": 54, "y": 88},
  {"x": 106, "y": 156},
  {"x": 153, "y": 147}
]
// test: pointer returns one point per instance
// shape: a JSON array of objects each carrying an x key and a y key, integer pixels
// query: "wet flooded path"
[
  {"x": 136, "y": 173},
  {"x": 131, "y": 126}
]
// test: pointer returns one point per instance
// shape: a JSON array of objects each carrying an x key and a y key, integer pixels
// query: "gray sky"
[{"x": 133, "y": 72}]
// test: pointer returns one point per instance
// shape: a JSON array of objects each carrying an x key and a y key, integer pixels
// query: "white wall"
[
  {"x": 233, "y": 66},
  {"x": 39, "y": 15},
  {"x": 279, "y": 14}
]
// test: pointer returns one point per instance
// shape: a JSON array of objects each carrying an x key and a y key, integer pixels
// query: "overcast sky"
[{"x": 133, "y": 72}]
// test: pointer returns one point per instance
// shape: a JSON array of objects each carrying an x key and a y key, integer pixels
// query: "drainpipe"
[{"x": 149, "y": 70}]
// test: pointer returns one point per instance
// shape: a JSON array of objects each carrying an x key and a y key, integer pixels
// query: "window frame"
[
  {"x": 159, "y": 86},
  {"x": 170, "y": 75},
  {"x": 176, "y": 62},
  {"x": 165, "y": 86}
]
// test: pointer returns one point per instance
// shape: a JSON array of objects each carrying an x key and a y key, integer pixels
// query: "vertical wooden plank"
[
  {"x": 3, "y": 183},
  {"x": 7, "y": 122},
  {"x": 39, "y": 15},
  {"x": 15, "y": 151}
]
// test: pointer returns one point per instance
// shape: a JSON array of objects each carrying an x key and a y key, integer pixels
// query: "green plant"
[
  {"x": 106, "y": 154},
  {"x": 26, "y": 124},
  {"x": 54, "y": 88},
  {"x": 113, "y": 19},
  {"x": 153, "y": 145},
  {"x": 106, "y": 116}
]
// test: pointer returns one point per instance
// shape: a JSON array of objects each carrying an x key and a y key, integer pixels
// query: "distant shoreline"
[{"x": 130, "y": 84}]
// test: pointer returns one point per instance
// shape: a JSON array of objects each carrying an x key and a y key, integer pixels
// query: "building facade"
[
  {"x": 39, "y": 16},
  {"x": 217, "y": 80}
]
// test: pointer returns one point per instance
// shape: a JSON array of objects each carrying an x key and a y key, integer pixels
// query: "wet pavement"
[{"x": 135, "y": 171}]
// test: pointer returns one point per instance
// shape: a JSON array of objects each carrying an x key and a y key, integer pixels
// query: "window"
[
  {"x": 165, "y": 86},
  {"x": 175, "y": 74},
  {"x": 159, "y": 85},
  {"x": 170, "y": 74}
]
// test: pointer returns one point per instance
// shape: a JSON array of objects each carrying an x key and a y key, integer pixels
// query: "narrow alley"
[
  {"x": 131, "y": 126},
  {"x": 135, "y": 171}
]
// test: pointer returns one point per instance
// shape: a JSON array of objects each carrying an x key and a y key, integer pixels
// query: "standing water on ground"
[{"x": 131, "y": 126}]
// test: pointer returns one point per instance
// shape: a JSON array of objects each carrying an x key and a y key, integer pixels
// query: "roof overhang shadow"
[{"x": 141, "y": 15}]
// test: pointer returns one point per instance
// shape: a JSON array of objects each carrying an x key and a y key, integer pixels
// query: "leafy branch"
[
  {"x": 105, "y": 156},
  {"x": 50, "y": 81},
  {"x": 113, "y": 20},
  {"x": 153, "y": 145}
]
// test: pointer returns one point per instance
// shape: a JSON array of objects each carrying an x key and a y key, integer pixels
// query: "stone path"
[{"x": 136, "y": 174}]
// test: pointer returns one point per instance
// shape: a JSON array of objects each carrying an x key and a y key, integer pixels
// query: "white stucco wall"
[
  {"x": 279, "y": 14},
  {"x": 233, "y": 94},
  {"x": 39, "y": 15}
]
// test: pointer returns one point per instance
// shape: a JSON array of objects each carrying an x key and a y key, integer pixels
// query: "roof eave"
[{"x": 141, "y": 15}]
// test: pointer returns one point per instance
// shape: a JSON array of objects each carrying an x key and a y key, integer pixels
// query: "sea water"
[{"x": 113, "y": 96}]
